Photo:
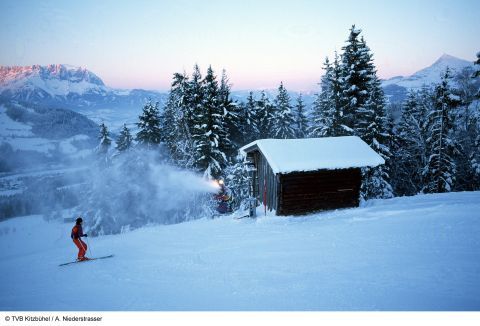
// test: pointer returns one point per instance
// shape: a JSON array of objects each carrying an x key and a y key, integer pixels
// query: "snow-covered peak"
[
  {"x": 447, "y": 57},
  {"x": 55, "y": 71},
  {"x": 431, "y": 74},
  {"x": 54, "y": 79},
  {"x": 445, "y": 61}
]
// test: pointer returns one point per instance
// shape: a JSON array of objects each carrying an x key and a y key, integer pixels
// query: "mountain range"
[
  {"x": 54, "y": 110},
  {"x": 76, "y": 88},
  {"x": 69, "y": 87},
  {"x": 396, "y": 88}
]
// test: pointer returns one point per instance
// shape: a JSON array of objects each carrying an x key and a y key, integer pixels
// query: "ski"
[
  {"x": 82, "y": 261},
  {"x": 240, "y": 217}
]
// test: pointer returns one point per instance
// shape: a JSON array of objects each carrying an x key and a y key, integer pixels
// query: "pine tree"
[
  {"x": 467, "y": 176},
  {"x": 149, "y": 134},
  {"x": 477, "y": 62},
  {"x": 124, "y": 140},
  {"x": 376, "y": 183},
  {"x": 232, "y": 116},
  {"x": 328, "y": 117},
  {"x": 321, "y": 114},
  {"x": 265, "y": 117},
  {"x": 283, "y": 120},
  {"x": 409, "y": 155},
  {"x": 237, "y": 180},
  {"x": 105, "y": 140},
  {"x": 362, "y": 111},
  {"x": 169, "y": 120},
  {"x": 475, "y": 161},
  {"x": 209, "y": 134},
  {"x": 300, "y": 118},
  {"x": 475, "y": 126},
  {"x": 440, "y": 170},
  {"x": 466, "y": 129},
  {"x": 177, "y": 122},
  {"x": 357, "y": 73},
  {"x": 195, "y": 94},
  {"x": 338, "y": 127},
  {"x": 250, "y": 128},
  {"x": 104, "y": 146}
]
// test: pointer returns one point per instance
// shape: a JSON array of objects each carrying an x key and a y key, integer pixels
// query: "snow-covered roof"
[{"x": 311, "y": 154}]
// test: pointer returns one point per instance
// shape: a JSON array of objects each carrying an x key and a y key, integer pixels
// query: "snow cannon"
[{"x": 223, "y": 198}]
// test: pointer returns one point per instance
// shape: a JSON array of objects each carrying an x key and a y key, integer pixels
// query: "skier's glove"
[{"x": 85, "y": 235}]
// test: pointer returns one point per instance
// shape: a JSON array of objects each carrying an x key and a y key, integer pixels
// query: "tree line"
[{"x": 434, "y": 147}]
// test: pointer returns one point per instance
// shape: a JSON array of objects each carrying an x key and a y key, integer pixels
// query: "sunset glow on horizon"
[{"x": 140, "y": 44}]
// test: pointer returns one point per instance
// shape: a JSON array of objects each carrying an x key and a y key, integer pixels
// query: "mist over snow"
[{"x": 137, "y": 188}]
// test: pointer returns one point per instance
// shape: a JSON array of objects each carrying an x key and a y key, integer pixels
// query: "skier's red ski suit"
[{"x": 77, "y": 232}]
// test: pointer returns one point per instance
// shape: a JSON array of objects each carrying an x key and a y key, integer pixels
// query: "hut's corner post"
[
  {"x": 252, "y": 199},
  {"x": 278, "y": 180}
]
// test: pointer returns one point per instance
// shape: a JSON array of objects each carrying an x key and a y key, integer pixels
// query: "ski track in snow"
[{"x": 410, "y": 253}]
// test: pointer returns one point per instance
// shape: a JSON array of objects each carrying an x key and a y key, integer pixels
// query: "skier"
[{"x": 77, "y": 233}]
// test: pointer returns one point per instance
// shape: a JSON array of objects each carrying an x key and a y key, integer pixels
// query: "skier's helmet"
[{"x": 79, "y": 220}]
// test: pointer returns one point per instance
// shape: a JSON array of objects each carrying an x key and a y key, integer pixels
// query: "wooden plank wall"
[
  {"x": 305, "y": 192},
  {"x": 265, "y": 179}
]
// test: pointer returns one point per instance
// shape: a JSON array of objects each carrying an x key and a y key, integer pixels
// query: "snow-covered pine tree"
[
  {"x": 409, "y": 154},
  {"x": 250, "y": 129},
  {"x": 124, "y": 140},
  {"x": 466, "y": 87},
  {"x": 366, "y": 113},
  {"x": 105, "y": 140},
  {"x": 149, "y": 134},
  {"x": 376, "y": 183},
  {"x": 477, "y": 62},
  {"x": 363, "y": 111},
  {"x": 356, "y": 77},
  {"x": 475, "y": 157},
  {"x": 283, "y": 120},
  {"x": 103, "y": 146},
  {"x": 195, "y": 93},
  {"x": 232, "y": 116},
  {"x": 300, "y": 118},
  {"x": 209, "y": 135},
  {"x": 339, "y": 124},
  {"x": 265, "y": 117},
  {"x": 327, "y": 115},
  {"x": 467, "y": 176},
  {"x": 439, "y": 173},
  {"x": 176, "y": 122},
  {"x": 169, "y": 124},
  {"x": 237, "y": 180},
  {"x": 475, "y": 161},
  {"x": 322, "y": 114},
  {"x": 466, "y": 129},
  {"x": 194, "y": 110}
]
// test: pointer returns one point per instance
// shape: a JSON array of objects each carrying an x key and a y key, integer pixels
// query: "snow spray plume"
[{"x": 138, "y": 188}]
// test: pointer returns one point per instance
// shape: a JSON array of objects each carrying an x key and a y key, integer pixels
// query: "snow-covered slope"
[{"x": 411, "y": 253}]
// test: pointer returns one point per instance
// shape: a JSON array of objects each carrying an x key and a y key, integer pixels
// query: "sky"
[{"x": 140, "y": 44}]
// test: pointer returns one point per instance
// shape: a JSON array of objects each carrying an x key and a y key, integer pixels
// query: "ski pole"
[{"x": 88, "y": 246}]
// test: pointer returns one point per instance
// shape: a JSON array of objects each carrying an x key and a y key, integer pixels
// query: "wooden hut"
[{"x": 298, "y": 176}]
